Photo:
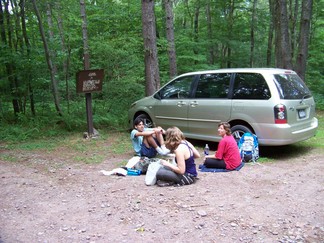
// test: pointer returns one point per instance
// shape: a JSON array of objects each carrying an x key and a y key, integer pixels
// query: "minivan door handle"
[
  {"x": 193, "y": 103},
  {"x": 181, "y": 103}
]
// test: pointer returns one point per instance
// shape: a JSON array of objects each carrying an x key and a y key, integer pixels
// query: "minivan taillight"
[{"x": 280, "y": 114}]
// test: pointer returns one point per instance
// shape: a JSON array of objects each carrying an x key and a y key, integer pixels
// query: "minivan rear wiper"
[{"x": 305, "y": 96}]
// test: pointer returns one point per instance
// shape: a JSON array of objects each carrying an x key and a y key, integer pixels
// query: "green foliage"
[
  {"x": 318, "y": 140},
  {"x": 116, "y": 45}
]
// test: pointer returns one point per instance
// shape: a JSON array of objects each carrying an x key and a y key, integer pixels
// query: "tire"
[
  {"x": 238, "y": 131},
  {"x": 146, "y": 120}
]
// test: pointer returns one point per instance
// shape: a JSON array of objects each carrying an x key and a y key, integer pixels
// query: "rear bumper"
[{"x": 284, "y": 134}]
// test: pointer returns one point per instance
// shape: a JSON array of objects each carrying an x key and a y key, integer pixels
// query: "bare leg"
[
  {"x": 149, "y": 141},
  {"x": 159, "y": 137}
]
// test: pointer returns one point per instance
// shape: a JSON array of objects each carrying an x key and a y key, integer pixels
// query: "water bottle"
[{"x": 206, "y": 149}]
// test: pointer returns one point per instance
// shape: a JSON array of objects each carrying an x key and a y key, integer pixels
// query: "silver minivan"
[{"x": 274, "y": 104}]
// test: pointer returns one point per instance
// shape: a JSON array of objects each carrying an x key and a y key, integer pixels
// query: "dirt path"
[{"x": 44, "y": 200}]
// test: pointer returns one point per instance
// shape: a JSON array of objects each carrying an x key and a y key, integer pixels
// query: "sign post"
[{"x": 89, "y": 81}]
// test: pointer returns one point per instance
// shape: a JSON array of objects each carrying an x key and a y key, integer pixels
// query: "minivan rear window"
[{"x": 291, "y": 86}]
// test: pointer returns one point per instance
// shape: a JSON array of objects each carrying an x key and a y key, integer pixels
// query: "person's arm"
[
  {"x": 159, "y": 130},
  {"x": 211, "y": 155},
  {"x": 180, "y": 168},
  {"x": 145, "y": 133}
]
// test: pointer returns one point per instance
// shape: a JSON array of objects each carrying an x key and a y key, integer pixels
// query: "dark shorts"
[{"x": 148, "y": 152}]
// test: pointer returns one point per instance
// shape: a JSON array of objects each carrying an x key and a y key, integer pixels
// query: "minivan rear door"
[
  {"x": 298, "y": 100},
  {"x": 209, "y": 106}
]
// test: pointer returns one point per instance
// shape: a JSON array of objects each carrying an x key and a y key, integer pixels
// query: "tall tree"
[
  {"x": 270, "y": 32},
  {"x": 293, "y": 13},
  {"x": 196, "y": 30},
  {"x": 66, "y": 50},
  {"x": 51, "y": 37},
  {"x": 152, "y": 76},
  {"x": 48, "y": 60},
  {"x": 253, "y": 24},
  {"x": 304, "y": 35},
  {"x": 230, "y": 24},
  {"x": 170, "y": 37},
  {"x": 5, "y": 21},
  {"x": 211, "y": 48},
  {"x": 283, "y": 47},
  {"x": 22, "y": 4}
]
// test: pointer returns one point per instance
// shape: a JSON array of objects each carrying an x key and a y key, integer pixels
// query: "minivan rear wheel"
[
  {"x": 239, "y": 130},
  {"x": 146, "y": 120}
]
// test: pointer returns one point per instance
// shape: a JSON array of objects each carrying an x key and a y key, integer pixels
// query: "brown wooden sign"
[{"x": 89, "y": 81}]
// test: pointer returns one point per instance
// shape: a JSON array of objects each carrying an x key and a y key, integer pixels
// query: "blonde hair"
[{"x": 173, "y": 138}]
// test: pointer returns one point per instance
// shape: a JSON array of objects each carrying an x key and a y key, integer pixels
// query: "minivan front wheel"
[
  {"x": 146, "y": 120},
  {"x": 238, "y": 131}
]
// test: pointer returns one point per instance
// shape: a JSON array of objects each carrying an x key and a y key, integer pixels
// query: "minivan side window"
[
  {"x": 250, "y": 86},
  {"x": 213, "y": 85},
  {"x": 177, "y": 89}
]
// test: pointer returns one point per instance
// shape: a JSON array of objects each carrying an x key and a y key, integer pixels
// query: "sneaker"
[
  {"x": 164, "y": 183},
  {"x": 165, "y": 150},
  {"x": 162, "y": 151}
]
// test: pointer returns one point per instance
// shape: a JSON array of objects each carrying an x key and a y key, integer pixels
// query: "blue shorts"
[{"x": 149, "y": 152}]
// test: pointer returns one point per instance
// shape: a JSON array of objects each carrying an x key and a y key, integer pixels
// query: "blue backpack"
[{"x": 249, "y": 147}]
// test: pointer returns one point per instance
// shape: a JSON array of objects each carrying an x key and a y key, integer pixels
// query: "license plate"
[{"x": 301, "y": 113}]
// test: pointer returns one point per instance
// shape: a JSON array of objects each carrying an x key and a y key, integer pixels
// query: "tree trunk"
[
  {"x": 170, "y": 37},
  {"x": 278, "y": 60},
  {"x": 9, "y": 65},
  {"x": 51, "y": 38},
  {"x": 230, "y": 32},
  {"x": 67, "y": 51},
  {"x": 152, "y": 76},
  {"x": 270, "y": 33},
  {"x": 27, "y": 43},
  {"x": 253, "y": 23},
  {"x": 196, "y": 31},
  {"x": 211, "y": 49},
  {"x": 283, "y": 53},
  {"x": 304, "y": 37},
  {"x": 48, "y": 60},
  {"x": 293, "y": 13}
]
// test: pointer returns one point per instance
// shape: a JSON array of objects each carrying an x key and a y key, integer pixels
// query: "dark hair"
[
  {"x": 227, "y": 127},
  {"x": 137, "y": 121}
]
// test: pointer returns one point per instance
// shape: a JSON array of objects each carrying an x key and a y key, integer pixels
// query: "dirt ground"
[{"x": 45, "y": 198}]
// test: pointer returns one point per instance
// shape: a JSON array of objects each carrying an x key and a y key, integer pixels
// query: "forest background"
[{"x": 140, "y": 45}]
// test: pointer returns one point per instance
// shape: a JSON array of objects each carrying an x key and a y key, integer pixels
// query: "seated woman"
[
  {"x": 227, "y": 155},
  {"x": 184, "y": 172}
]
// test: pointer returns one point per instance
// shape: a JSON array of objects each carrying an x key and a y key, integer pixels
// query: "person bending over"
[
  {"x": 227, "y": 155},
  {"x": 184, "y": 171},
  {"x": 147, "y": 141}
]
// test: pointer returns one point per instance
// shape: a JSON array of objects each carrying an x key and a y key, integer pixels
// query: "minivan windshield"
[{"x": 291, "y": 86}]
